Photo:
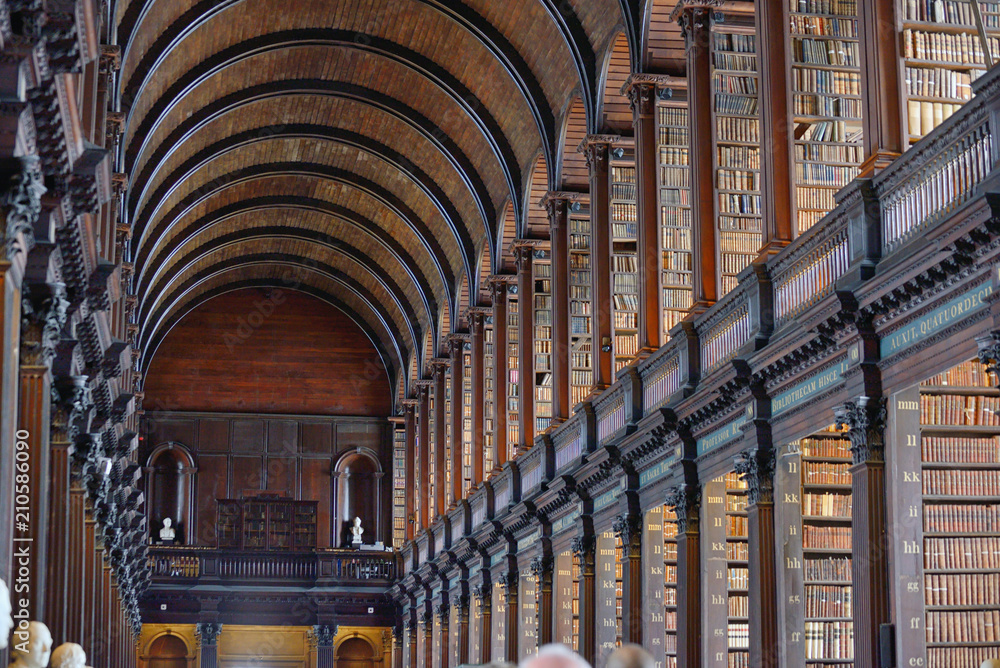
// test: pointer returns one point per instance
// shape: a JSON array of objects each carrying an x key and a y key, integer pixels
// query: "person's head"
[
  {"x": 357, "y": 521},
  {"x": 991, "y": 663},
  {"x": 555, "y": 656},
  {"x": 69, "y": 655},
  {"x": 630, "y": 656},
  {"x": 39, "y": 646},
  {"x": 167, "y": 522}
]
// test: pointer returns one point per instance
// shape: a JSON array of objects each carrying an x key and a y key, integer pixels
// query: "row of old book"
[
  {"x": 970, "y": 626},
  {"x": 962, "y": 518},
  {"x": 962, "y": 589},
  {"x": 960, "y": 450},
  {"x": 951, "y": 409},
  {"x": 961, "y": 483}
]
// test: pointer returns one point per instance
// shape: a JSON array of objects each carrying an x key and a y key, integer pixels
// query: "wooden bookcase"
[
  {"x": 398, "y": 488},
  {"x": 670, "y": 586},
  {"x": 946, "y": 477},
  {"x": 467, "y": 439},
  {"x": 542, "y": 380},
  {"x": 489, "y": 395},
  {"x": 449, "y": 440},
  {"x": 826, "y": 103},
  {"x": 943, "y": 55},
  {"x": 735, "y": 86},
  {"x": 267, "y": 523},
  {"x": 580, "y": 309},
  {"x": 674, "y": 181},
  {"x": 513, "y": 375},
  {"x": 737, "y": 572},
  {"x": 813, "y": 516},
  {"x": 624, "y": 260}
]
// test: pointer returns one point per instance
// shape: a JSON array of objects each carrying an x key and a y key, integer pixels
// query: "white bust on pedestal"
[
  {"x": 356, "y": 532},
  {"x": 6, "y": 621},
  {"x": 34, "y": 651},
  {"x": 991, "y": 663},
  {"x": 167, "y": 533},
  {"x": 69, "y": 655}
]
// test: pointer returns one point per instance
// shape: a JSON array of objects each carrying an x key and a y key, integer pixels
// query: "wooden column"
[
  {"x": 323, "y": 636},
  {"x": 410, "y": 443},
  {"x": 207, "y": 634},
  {"x": 777, "y": 185},
  {"x": 596, "y": 149},
  {"x": 457, "y": 351},
  {"x": 463, "y": 629},
  {"x": 91, "y": 563},
  {"x": 477, "y": 321},
  {"x": 642, "y": 97},
  {"x": 756, "y": 467},
  {"x": 440, "y": 442},
  {"x": 541, "y": 568},
  {"x": 557, "y": 205},
  {"x": 695, "y": 23},
  {"x": 411, "y": 637},
  {"x": 510, "y": 582},
  {"x": 443, "y": 614},
  {"x": 484, "y": 599},
  {"x": 498, "y": 289},
  {"x": 426, "y": 501},
  {"x": 628, "y": 529},
  {"x": 686, "y": 501},
  {"x": 10, "y": 322},
  {"x": 882, "y": 104},
  {"x": 428, "y": 640},
  {"x": 865, "y": 420},
  {"x": 583, "y": 550},
  {"x": 525, "y": 254},
  {"x": 75, "y": 555},
  {"x": 397, "y": 648},
  {"x": 44, "y": 313}
]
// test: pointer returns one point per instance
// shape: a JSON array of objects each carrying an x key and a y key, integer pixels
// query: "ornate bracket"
[
  {"x": 756, "y": 468},
  {"x": 685, "y": 500},
  {"x": 865, "y": 421},
  {"x": 207, "y": 632}
]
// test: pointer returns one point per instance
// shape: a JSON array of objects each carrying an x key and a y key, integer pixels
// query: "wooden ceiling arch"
[{"x": 395, "y": 146}]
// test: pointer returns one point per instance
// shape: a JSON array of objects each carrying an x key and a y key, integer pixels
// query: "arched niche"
[
  {"x": 357, "y": 484},
  {"x": 355, "y": 652},
  {"x": 170, "y": 486},
  {"x": 168, "y": 650}
]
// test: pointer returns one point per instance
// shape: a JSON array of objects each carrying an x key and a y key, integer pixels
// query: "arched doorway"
[
  {"x": 168, "y": 651},
  {"x": 170, "y": 485},
  {"x": 358, "y": 484},
  {"x": 354, "y": 653}
]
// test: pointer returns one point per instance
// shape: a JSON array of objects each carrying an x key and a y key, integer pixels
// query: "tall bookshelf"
[
  {"x": 949, "y": 500},
  {"x": 577, "y": 568},
  {"x": 737, "y": 573},
  {"x": 735, "y": 89},
  {"x": 813, "y": 483},
  {"x": 431, "y": 456},
  {"x": 467, "y": 467},
  {"x": 670, "y": 586},
  {"x": 489, "y": 395},
  {"x": 624, "y": 260},
  {"x": 542, "y": 268},
  {"x": 619, "y": 589},
  {"x": 513, "y": 375},
  {"x": 398, "y": 488},
  {"x": 674, "y": 181},
  {"x": 826, "y": 103},
  {"x": 580, "y": 309},
  {"x": 943, "y": 55},
  {"x": 449, "y": 439}
]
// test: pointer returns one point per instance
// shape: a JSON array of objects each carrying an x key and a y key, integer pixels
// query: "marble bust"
[
  {"x": 6, "y": 621},
  {"x": 167, "y": 533},
  {"x": 991, "y": 663},
  {"x": 34, "y": 651},
  {"x": 69, "y": 655},
  {"x": 356, "y": 531}
]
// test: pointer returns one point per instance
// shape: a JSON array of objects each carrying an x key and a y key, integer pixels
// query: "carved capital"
[
  {"x": 628, "y": 528},
  {"x": 509, "y": 582},
  {"x": 43, "y": 314},
  {"x": 642, "y": 99},
  {"x": 442, "y": 611},
  {"x": 583, "y": 547},
  {"x": 323, "y": 635},
  {"x": 483, "y": 596},
  {"x": 67, "y": 407},
  {"x": 989, "y": 351},
  {"x": 756, "y": 468},
  {"x": 427, "y": 619},
  {"x": 596, "y": 149},
  {"x": 685, "y": 500},
  {"x": 541, "y": 568},
  {"x": 865, "y": 422},
  {"x": 21, "y": 199},
  {"x": 207, "y": 632}
]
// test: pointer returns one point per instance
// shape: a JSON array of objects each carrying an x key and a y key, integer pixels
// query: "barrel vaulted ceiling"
[{"x": 368, "y": 152}]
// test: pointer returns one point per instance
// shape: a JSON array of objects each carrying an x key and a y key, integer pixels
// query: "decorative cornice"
[{"x": 865, "y": 422}]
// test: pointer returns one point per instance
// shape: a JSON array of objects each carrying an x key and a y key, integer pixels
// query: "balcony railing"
[{"x": 337, "y": 566}]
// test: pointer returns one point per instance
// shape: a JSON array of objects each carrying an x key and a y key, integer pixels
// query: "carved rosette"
[
  {"x": 43, "y": 314},
  {"x": 21, "y": 200},
  {"x": 685, "y": 500},
  {"x": 323, "y": 635},
  {"x": 865, "y": 422},
  {"x": 756, "y": 468},
  {"x": 207, "y": 632},
  {"x": 989, "y": 352}
]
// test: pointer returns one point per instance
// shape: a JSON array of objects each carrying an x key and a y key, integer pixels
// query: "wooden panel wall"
[
  {"x": 249, "y": 352},
  {"x": 293, "y": 456}
]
